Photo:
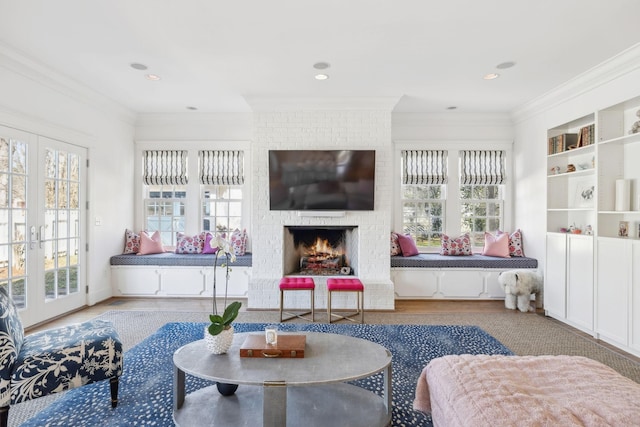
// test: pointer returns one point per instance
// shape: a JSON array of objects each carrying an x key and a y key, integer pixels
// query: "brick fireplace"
[{"x": 366, "y": 126}]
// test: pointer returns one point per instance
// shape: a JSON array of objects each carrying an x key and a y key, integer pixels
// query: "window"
[
  {"x": 423, "y": 195},
  {"x": 222, "y": 208},
  {"x": 481, "y": 193},
  {"x": 164, "y": 208},
  {"x": 221, "y": 178},
  {"x": 165, "y": 179}
]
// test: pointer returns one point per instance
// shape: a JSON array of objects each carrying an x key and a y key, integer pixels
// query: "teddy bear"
[{"x": 518, "y": 287}]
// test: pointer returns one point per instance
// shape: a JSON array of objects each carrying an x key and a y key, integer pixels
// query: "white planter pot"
[{"x": 219, "y": 344}]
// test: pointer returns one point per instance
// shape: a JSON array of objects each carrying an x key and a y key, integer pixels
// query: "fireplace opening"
[{"x": 319, "y": 251}]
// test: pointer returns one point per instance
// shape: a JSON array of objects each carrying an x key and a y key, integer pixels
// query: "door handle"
[
  {"x": 33, "y": 236},
  {"x": 41, "y": 236}
]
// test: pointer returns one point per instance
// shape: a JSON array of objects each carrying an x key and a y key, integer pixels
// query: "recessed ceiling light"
[
  {"x": 138, "y": 66},
  {"x": 453, "y": 107},
  {"x": 491, "y": 76},
  {"x": 153, "y": 77},
  {"x": 505, "y": 65},
  {"x": 321, "y": 77},
  {"x": 321, "y": 65},
  {"x": 192, "y": 108}
]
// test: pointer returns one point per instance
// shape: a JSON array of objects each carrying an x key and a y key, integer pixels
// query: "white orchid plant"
[{"x": 220, "y": 323}]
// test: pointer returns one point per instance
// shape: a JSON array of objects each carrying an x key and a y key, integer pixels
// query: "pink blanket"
[{"x": 485, "y": 390}]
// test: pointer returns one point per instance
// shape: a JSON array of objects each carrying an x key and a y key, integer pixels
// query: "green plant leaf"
[
  {"x": 216, "y": 328},
  {"x": 215, "y": 318},
  {"x": 231, "y": 312}
]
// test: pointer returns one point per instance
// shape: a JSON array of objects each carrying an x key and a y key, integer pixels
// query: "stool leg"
[
  {"x": 281, "y": 303},
  {"x": 329, "y": 306},
  {"x": 361, "y": 305},
  {"x": 113, "y": 385},
  {"x": 313, "y": 305}
]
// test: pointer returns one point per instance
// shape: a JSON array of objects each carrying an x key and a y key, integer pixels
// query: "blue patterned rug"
[{"x": 146, "y": 389}]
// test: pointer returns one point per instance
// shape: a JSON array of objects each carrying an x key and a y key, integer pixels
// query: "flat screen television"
[{"x": 322, "y": 180}]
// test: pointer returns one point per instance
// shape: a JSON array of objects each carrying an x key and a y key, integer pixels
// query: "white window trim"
[
  {"x": 193, "y": 215},
  {"x": 452, "y": 202}
]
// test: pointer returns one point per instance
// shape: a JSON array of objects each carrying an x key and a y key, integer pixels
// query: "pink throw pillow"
[
  {"x": 150, "y": 245},
  {"x": 497, "y": 246},
  {"x": 460, "y": 246},
  {"x": 515, "y": 243},
  {"x": 407, "y": 245},
  {"x": 131, "y": 242},
  {"x": 208, "y": 241},
  {"x": 395, "y": 246}
]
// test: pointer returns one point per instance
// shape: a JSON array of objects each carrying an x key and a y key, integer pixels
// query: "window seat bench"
[
  {"x": 435, "y": 276},
  {"x": 178, "y": 275}
]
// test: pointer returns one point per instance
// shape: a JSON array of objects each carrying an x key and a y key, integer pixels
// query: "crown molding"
[
  {"x": 452, "y": 119},
  {"x": 38, "y": 72},
  {"x": 613, "y": 68},
  {"x": 260, "y": 104}
]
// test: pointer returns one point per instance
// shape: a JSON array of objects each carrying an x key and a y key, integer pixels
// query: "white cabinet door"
[
  {"x": 614, "y": 266},
  {"x": 580, "y": 281},
  {"x": 635, "y": 292},
  {"x": 555, "y": 295}
]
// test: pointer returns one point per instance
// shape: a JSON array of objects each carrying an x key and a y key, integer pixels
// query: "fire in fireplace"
[
  {"x": 321, "y": 258},
  {"x": 318, "y": 251}
]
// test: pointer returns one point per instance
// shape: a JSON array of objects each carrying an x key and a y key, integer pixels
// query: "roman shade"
[
  {"x": 482, "y": 167},
  {"x": 424, "y": 167},
  {"x": 221, "y": 167},
  {"x": 165, "y": 167}
]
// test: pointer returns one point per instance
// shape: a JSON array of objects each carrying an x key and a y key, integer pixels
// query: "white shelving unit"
[{"x": 592, "y": 280}]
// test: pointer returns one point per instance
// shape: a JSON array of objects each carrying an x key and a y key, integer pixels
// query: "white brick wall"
[{"x": 319, "y": 129}]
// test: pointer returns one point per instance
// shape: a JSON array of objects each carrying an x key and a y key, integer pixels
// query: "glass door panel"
[
  {"x": 61, "y": 231},
  {"x": 13, "y": 215}
]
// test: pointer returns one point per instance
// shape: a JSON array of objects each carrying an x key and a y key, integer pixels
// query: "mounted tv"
[{"x": 321, "y": 180}]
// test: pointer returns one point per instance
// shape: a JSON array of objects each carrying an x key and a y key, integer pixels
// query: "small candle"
[{"x": 271, "y": 335}]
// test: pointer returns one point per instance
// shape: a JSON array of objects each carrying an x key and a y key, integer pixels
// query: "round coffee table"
[{"x": 309, "y": 391}]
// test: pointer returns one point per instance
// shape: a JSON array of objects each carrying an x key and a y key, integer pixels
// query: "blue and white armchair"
[{"x": 55, "y": 360}]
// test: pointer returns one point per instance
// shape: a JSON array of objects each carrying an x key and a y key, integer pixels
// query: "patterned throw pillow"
[
  {"x": 458, "y": 246},
  {"x": 515, "y": 242},
  {"x": 190, "y": 244},
  {"x": 239, "y": 241},
  {"x": 131, "y": 242},
  {"x": 395, "y": 246}
]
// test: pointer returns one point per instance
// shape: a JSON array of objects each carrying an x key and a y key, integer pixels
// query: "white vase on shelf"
[{"x": 623, "y": 195}]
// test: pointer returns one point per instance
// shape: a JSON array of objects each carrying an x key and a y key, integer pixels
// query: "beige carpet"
[{"x": 524, "y": 334}]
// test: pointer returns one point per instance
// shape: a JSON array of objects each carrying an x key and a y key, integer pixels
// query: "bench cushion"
[
  {"x": 472, "y": 261},
  {"x": 180, "y": 260}
]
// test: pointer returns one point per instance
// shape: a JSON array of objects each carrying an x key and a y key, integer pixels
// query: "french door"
[{"x": 42, "y": 223}]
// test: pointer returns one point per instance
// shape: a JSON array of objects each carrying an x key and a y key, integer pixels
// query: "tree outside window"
[
  {"x": 222, "y": 208},
  {"x": 481, "y": 211},
  {"x": 164, "y": 209},
  {"x": 423, "y": 214}
]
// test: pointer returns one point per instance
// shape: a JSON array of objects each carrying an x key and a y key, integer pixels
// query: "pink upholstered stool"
[
  {"x": 297, "y": 284},
  {"x": 346, "y": 285}
]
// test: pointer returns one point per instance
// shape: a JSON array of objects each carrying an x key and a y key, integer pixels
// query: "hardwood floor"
[{"x": 204, "y": 304}]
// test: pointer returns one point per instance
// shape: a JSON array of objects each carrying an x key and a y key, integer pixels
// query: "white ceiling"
[{"x": 214, "y": 54}]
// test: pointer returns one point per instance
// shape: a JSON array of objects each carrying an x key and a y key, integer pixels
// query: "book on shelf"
[
  {"x": 587, "y": 135},
  {"x": 563, "y": 142}
]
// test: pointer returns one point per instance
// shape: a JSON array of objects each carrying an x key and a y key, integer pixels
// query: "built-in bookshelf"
[{"x": 593, "y": 224}]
